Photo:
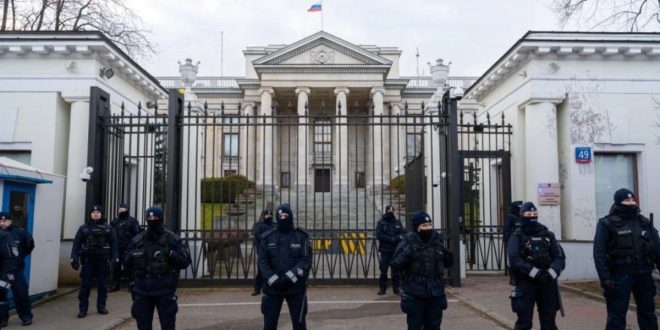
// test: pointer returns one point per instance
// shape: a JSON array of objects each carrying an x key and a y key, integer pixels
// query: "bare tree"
[
  {"x": 617, "y": 15},
  {"x": 114, "y": 18}
]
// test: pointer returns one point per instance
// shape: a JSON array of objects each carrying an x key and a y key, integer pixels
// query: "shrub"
[
  {"x": 398, "y": 183},
  {"x": 225, "y": 189}
]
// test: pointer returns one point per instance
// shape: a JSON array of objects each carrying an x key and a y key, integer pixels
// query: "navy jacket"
[
  {"x": 8, "y": 259},
  {"x": 525, "y": 268},
  {"x": 81, "y": 250},
  {"x": 389, "y": 232},
  {"x": 177, "y": 258},
  {"x": 260, "y": 228},
  {"x": 125, "y": 229},
  {"x": 605, "y": 239},
  {"x": 421, "y": 286},
  {"x": 23, "y": 241}
]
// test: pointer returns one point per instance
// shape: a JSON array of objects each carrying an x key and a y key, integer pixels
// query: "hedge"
[{"x": 225, "y": 189}]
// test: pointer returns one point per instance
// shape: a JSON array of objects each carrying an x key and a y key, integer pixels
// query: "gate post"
[
  {"x": 173, "y": 172},
  {"x": 455, "y": 175},
  {"x": 99, "y": 110}
]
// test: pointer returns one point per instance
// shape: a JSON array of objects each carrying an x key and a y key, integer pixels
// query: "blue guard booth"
[{"x": 34, "y": 199}]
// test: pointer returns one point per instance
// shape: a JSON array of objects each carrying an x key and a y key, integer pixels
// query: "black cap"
[
  {"x": 4, "y": 216},
  {"x": 527, "y": 207},
  {"x": 419, "y": 218},
  {"x": 623, "y": 194}
]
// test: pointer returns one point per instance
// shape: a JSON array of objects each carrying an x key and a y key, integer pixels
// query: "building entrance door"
[{"x": 322, "y": 180}]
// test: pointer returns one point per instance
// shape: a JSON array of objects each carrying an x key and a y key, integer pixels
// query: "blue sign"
[{"x": 583, "y": 155}]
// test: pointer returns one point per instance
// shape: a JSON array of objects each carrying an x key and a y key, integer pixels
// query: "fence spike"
[
  {"x": 423, "y": 106},
  {"x": 206, "y": 108},
  {"x": 338, "y": 108}
]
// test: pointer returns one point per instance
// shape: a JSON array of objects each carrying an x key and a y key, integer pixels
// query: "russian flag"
[{"x": 315, "y": 7}]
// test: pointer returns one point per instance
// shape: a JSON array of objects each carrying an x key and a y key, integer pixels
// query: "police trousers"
[
  {"x": 529, "y": 293},
  {"x": 143, "y": 310},
  {"x": 642, "y": 289},
  {"x": 385, "y": 259},
  {"x": 271, "y": 305},
  {"x": 423, "y": 313},
  {"x": 93, "y": 268}
]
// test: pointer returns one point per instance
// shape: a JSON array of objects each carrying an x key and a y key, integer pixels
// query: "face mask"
[
  {"x": 285, "y": 225},
  {"x": 425, "y": 235},
  {"x": 629, "y": 210},
  {"x": 154, "y": 224},
  {"x": 268, "y": 219},
  {"x": 123, "y": 215}
]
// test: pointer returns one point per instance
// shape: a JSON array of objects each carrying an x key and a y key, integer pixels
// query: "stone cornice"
[
  {"x": 328, "y": 40},
  {"x": 558, "y": 45},
  {"x": 248, "y": 83},
  {"x": 322, "y": 68},
  {"x": 80, "y": 45}
]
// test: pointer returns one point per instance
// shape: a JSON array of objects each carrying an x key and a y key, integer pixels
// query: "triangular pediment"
[{"x": 322, "y": 48}]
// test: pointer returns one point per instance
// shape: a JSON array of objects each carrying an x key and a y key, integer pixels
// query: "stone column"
[
  {"x": 377, "y": 143},
  {"x": 248, "y": 143},
  {"x": 303, "y": 160},
  {"x": 266, "y": 151},
  {"x": 397, "y": 153},
  {"x": 542, "y": 159},
  {"x": 74, "y": 202},
  {"x": 341, "y": 139}
]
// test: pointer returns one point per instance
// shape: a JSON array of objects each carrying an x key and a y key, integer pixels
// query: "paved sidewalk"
[
  {"x": 345, "y": 307},
  {"x": 490, "y": 295}
]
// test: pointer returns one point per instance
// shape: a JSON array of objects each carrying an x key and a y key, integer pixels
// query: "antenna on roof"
[
  {"x": 222, "y": 53},
  {"x": 417, "y": 55}
]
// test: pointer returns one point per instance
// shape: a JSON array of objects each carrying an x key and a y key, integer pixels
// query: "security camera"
[
  {"x": 457, "y": 93},
  {"x": 86, "y": 174}
]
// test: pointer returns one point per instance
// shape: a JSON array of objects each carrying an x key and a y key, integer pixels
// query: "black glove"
[
  {"x": 281, "y": 284},
  {"x": 607, "y": 284},
  {"x": 545, "y": 277},
  {"x": 75, "y": 264}
]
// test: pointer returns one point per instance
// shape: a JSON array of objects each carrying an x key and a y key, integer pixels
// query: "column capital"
[
  {"x": 268, "y": 90},
  {"x": 305, "y": 90},
  {"x": 380, "y": 90},
  {"x": 344, "y": 90},
  {"x": 554, "y": 98},
  {"x": 245, "y": 105}
]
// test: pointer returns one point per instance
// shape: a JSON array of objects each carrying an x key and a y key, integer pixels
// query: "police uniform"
[
  {"x": 285, "y": 259},
  {"x": 155, "y": 257},
  {"x": 95, "y": 247},
  {"x": 259, "y": 228},
  {"x": 422, "y": 258},
  {"x": 25, "y": 244},
  {"x": 126, "y": 227},
  {"x": 9, "y": 255},
  {"x": 626, "y": 249},
  {"x": 389, "y": 232},
  {"x": 536, "y": 260},
  {"x": 510, "y": 220}
]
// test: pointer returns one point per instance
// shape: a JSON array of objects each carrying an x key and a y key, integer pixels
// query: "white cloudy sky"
[{"x": 472, "y": 34}]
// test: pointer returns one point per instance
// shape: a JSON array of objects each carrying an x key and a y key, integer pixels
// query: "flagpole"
[{"x": 321, "y": 15}]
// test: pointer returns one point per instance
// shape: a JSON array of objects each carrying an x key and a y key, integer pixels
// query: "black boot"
[
  {"x": 381, "y": 291},
  {"x": 102, "y": 311},
  {"x": 256, "y": 292},
  {"x": 82, "y": 314},
  {"x": 396, "y": 290}
]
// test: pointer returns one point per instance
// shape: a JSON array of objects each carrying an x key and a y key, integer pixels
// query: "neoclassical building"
[{"x": 318, "y": 75}]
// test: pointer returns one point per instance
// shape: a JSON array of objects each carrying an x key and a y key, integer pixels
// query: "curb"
[
  {"x": 483, "y": 310},
  {"x": 47, "y": 299},
  {"x": 596, "y": 297}
]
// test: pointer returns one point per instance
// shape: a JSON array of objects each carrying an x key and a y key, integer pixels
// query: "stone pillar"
[
  {"x": 341, "y": 138},
  {"x": 377, "y": 143},
  {"x": 266, "y": 151},
  {"x": 74, "y": 201},
  {"x": 397, "y": 135},
  {"x": 542, "y": 159},
  {"x": 248, "y": 143},
  {"x": 303, "y": 160}
]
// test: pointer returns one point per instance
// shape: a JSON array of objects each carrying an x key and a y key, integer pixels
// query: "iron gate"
[{"x": 214, "y": 171}]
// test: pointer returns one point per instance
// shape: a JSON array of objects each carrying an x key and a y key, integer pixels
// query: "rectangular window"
[
  {"x": 230, "y": 172},
  {"x": 285, "y": 179},
  {"x": 230, "y": 145},
  {"x": 322, "y": 142},
  {"x": 413, "y": 145},
  {"x": 613, "y": 171},
  {"x": 21, "y": 156},
  {"x": 360, "y": 180},
  {"x": 231, "y": 120}
]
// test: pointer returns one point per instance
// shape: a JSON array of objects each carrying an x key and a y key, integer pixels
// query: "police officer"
[
  {"x": 155, "y": 257},
  {"x": 8, "y": 261},
  {"x": 126, "y": 227},
  {"x": 285, "y": 259},
  {"x": 25, "y": 244},
  {"x": 423, "y": 258},
  {"x": 260, "y": 227},
  {"x": 626, "y": 249},
  {"x": 511, "y": 220},
  {"x": 536, "y": 261},
  {"x": 389, "y": 232},
  {"x": 95, "y": 246}
]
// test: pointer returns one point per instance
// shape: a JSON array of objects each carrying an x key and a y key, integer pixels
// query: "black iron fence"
[{"x": 214, "y": 171}]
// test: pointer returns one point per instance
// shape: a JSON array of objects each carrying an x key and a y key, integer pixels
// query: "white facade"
[
  {"x": 45, "y": 82},
  {"x": 566, "y": 90}
]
